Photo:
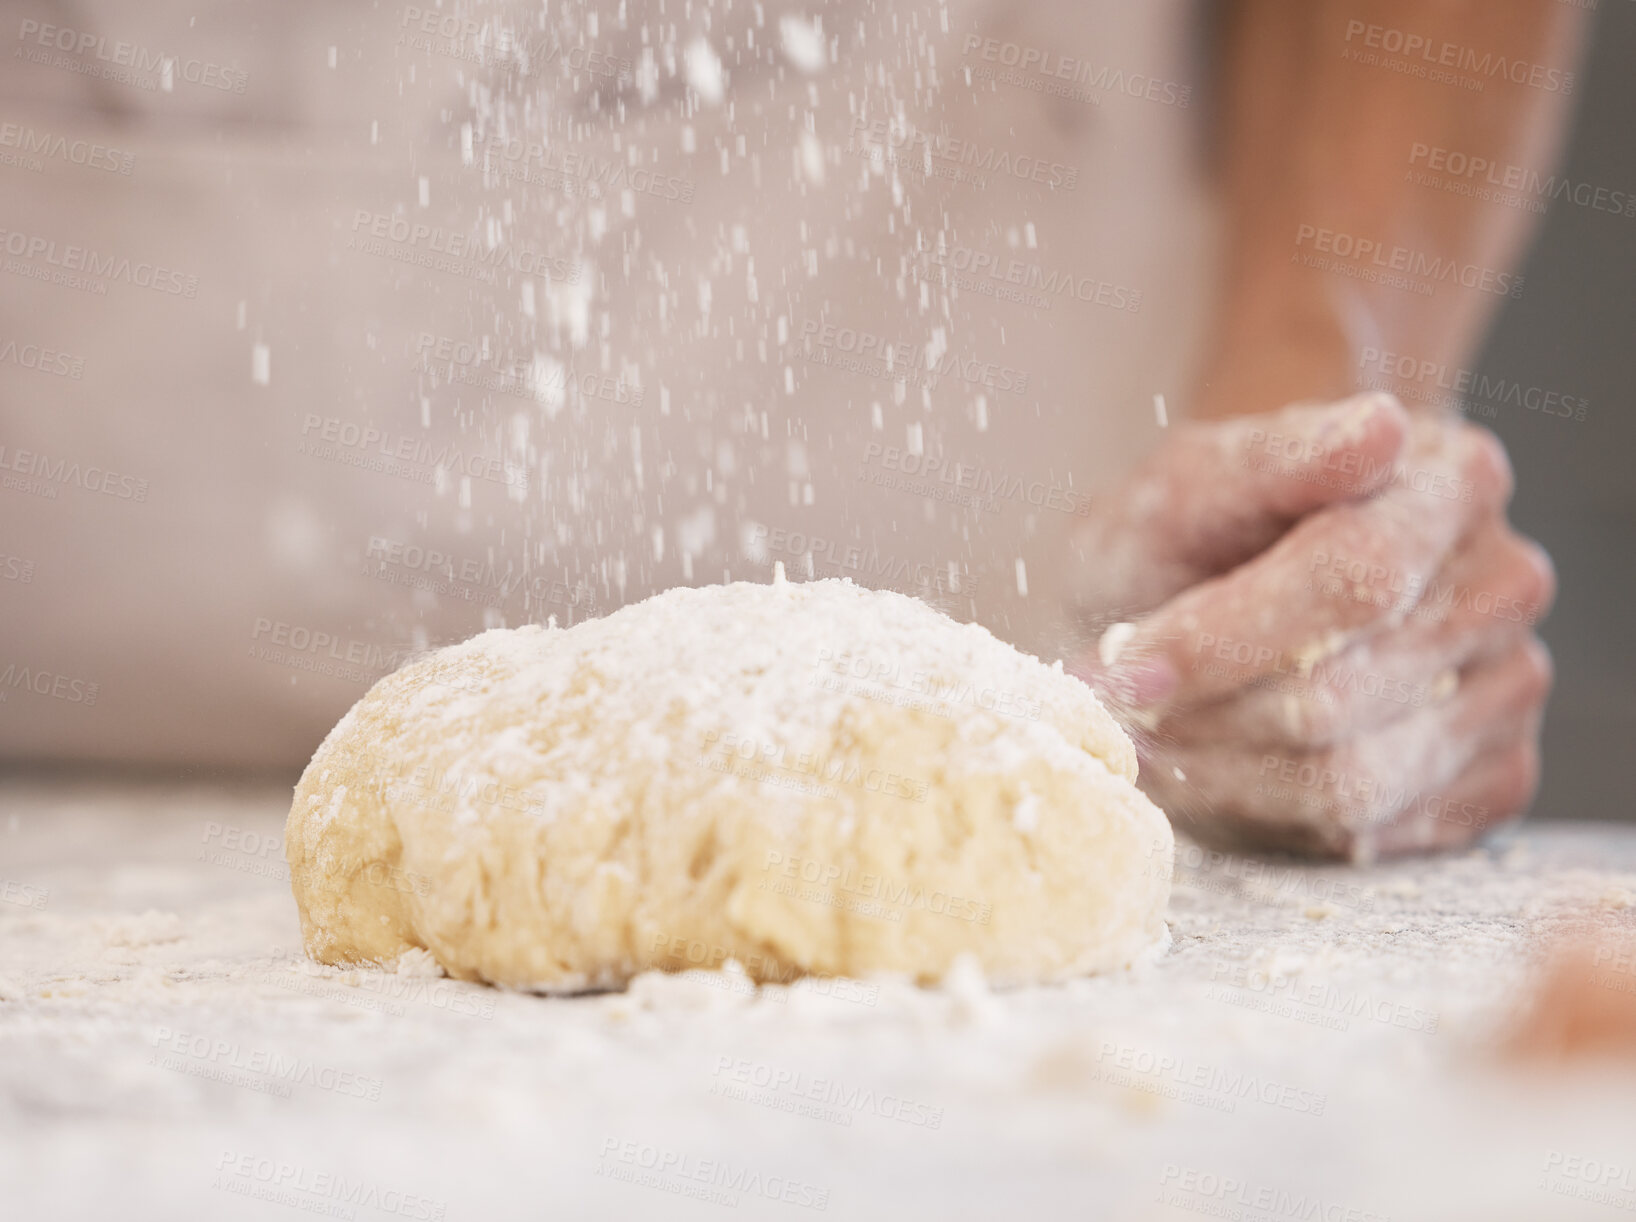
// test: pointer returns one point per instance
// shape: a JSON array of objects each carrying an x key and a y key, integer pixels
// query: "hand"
[{"x": 1334, "y": 651}]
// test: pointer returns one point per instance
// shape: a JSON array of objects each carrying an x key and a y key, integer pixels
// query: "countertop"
[{"x": 1319, "y": 1042}]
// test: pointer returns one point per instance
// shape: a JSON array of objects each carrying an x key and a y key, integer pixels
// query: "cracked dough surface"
[{"x": 807, "y": 778}]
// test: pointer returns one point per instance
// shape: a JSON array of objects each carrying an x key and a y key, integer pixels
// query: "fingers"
[
  {"x": 1485, "y": 599},
  {"x": 1343, "y": 800},
  {"x": 1235, "y": 487},
  {"x": 1216, "y": 494},
  {"x": 1495, "y": 574},
  {"x": 1497, "y": 699},
  {"x": 1495, "y": 789},
  {"x": 1261, "y": 619}
]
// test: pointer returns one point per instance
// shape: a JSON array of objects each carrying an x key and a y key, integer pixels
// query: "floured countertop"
[{"x": 1319, "y": 1043}]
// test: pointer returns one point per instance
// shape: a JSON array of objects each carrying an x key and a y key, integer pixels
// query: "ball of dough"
[{"x": 802, "y": 777}]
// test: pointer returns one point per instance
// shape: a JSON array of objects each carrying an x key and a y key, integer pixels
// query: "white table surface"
[{"x": 1318, "y": 1043}]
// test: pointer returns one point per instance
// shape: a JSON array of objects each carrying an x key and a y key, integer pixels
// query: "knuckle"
[
  {"x": 1539, "y": 585},
  {"x": 1487, "y": 464},
  {"x": 1199, "y": 445},
  {"x": 1395, "y": 419},
  {"x": 1539, "y": 671},
  {"x": 1317, "y": 716},
  {"x": 1344, "y": 776}
]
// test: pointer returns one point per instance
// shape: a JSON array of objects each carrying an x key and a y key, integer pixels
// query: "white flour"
[{"x": 1094, "y": 1099}]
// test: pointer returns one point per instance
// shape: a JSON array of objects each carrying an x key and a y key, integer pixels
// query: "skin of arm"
[
  {"x": 1321, "y": 131},
  {"x": 1311, "y": 666}
]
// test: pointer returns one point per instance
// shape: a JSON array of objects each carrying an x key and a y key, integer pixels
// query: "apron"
[{"x": 346, "y": 333}]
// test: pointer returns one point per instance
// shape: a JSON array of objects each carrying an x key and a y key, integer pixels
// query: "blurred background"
[
  {"x": 321, "y": 354},
  {"x": 1575, "y": 493}
]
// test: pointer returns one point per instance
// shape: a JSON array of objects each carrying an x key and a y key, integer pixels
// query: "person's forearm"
[{"x": 1330, "y": 240}]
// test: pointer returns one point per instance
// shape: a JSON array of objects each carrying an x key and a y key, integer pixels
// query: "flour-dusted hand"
[
  {"x": 1215, "y": 495},
  {"x": 1332, "y": 648}
]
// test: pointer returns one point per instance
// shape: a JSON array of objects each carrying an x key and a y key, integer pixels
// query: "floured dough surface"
[{"x": 804, "y": 778}]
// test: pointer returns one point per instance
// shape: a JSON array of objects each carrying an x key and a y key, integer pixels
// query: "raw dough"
[{"x": 804, "y": 778}]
